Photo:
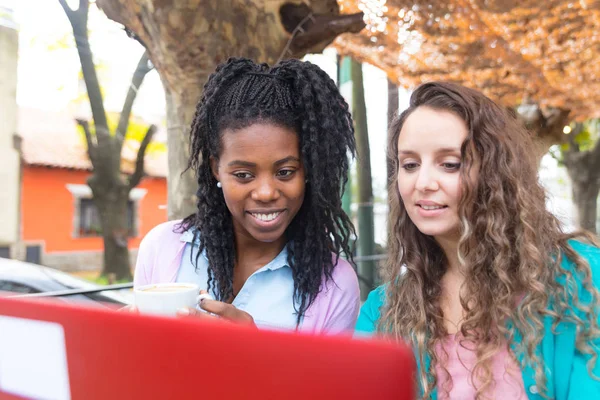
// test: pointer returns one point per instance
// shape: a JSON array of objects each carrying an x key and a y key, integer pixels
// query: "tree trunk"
[
  {"x": 583, "y": 168},
  {"x": 546, "y": 126},
  {"x": 186, "y": 40},
  {"x": 112, "y": 203},
  {"x": 182, "y": 187},
  {"x": 393, "y": 105},
  {"x": 343, "y": 82},
  {"x": 585, "y": 197},
  {"x": 366, "y": 241},
  {"x": 109, "y": 188}
]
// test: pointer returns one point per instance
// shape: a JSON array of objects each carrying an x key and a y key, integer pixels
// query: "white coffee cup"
[{"x": 165, "y": 298}]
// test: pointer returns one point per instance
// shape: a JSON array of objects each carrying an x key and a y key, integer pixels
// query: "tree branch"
[
  {"x": 321, "y": 29},
  {"x": 79, "y": 15},
  {"x": 139, "y": 162},
  {"x": 78, "y": 20},
  {"x": 573, "y": 146},
  {"x": 144, "y": 66},
  {"x": 66, "y": 7},
  {"x": 558, "y": 157},
  {"x": 88, "y": 138}
]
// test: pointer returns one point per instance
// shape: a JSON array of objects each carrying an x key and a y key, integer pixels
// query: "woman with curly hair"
[
  {"x": 270, "y": 148},
  {"x": 495, "y": 299}
]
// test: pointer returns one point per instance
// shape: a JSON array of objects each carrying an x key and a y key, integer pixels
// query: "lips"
[
  {"x": 266, "y": 218},
  {"x": 430, "y": 205},
  {"x": 430, "y": 209}
]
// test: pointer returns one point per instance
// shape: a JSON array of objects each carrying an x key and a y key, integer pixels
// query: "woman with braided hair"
[{"x": 270, "y": 148}]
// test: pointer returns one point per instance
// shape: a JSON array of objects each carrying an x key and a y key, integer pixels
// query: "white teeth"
[
  {"x": 431, "y": 207},
  {"x": 266, "y": 217}
]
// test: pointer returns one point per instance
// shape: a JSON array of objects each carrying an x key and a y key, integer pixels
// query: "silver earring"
[{"x": 219, "y": 185}]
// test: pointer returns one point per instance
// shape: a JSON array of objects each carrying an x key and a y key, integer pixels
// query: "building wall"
[
  {"x": 49, "y": 212},
  {"x": 9, "y": 156}
]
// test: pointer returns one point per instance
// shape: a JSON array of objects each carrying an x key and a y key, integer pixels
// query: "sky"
[{"x": 48, "y": 69}]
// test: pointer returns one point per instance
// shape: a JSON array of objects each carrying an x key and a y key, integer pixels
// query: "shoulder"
[
  {"x": 591, "y": 255},
  {"x": 344, "y": 276},
  {"x": 343, "y": 285},
  {"x": 572, "y": 372},
  {"x": 336, "y": 307},
  {"x": 166, "y": 231},
  {"x": 165, "y": 236},
  {"x": 370, "y": 312},
  {"x": 588, "y": 251},
  {"x": 375, "y": 301}
]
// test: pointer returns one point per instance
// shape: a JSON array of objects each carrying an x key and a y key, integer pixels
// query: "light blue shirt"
[{"x": 267, "y": 295}]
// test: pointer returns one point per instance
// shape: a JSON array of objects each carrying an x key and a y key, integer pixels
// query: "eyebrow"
[
  {"x": 248, "y": 164},
  {"x": 443, "y": 150},
  {"x": 286, "y": 160},
  {"x": 241, "y": 164}
]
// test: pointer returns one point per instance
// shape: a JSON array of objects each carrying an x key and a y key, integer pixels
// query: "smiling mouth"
[
  {"x": 430, "y": 208},
  {"x": 266, "y": 217}
]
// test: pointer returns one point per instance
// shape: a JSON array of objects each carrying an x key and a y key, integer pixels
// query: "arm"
[
  {"x": 141, "y": 275},
  {"x": 156, "y": 251},
  {"x": 582, "y": 385}
]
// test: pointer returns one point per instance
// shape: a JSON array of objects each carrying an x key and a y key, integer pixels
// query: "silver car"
[{"x": 22, "y": 278}]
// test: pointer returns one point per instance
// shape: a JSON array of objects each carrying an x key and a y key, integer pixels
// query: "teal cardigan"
[{"x": 566, "y": 367}]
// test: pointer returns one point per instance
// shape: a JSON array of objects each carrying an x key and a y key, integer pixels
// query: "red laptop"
[{"x": 55, "y": 351}]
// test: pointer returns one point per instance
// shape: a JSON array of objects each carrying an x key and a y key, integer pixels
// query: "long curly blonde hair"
[{"x": 510, "y": 248}]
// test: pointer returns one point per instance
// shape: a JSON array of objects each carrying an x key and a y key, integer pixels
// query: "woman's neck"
[
  {"x": 252, "y": 255},
  {"x": 452, "y": 282},
  {"x": 450, "y": 249}
]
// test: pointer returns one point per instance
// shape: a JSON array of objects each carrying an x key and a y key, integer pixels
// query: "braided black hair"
[{"x": 302, "y": 97}]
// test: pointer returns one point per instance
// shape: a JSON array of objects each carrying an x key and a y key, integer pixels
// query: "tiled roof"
[{"x": 52, "y": 139}]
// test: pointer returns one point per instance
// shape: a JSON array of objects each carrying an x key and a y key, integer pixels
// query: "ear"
[{"x": 214, "y": 167}]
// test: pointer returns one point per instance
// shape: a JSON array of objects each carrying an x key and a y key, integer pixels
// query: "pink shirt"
[
  {"x": 335, "y": 309},
  {"x": 461, "y": 360}
]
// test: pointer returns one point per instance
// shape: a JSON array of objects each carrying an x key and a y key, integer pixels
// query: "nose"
[
  {"x": 427, "y": 180},
  {"x": 265, "y": 191}
]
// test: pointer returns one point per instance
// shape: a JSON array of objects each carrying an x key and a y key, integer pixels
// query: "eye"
[
  {"x": 451, "y": 166},
  {"x": 410, "y": 166},
  {"x": 242, "y": 175},
  {"x": 286, "y": 173}
]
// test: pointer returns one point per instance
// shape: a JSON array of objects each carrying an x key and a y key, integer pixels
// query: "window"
[
  {"x": 8, "y": 286},
  {"x": 86, "y": 219},
  {"x": 33, "y": 254},
  {"x": 89, "y": 218},
  {"x": 4, "y": 252}
]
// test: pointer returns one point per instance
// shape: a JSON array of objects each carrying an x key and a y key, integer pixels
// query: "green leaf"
[{"x": 586, "y": 139}]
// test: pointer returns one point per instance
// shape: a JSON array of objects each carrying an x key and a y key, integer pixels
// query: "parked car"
[{"x": 18, "y": 277}]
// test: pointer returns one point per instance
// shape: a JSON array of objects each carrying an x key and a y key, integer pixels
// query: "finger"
[
  {"x": 227, "y": 312},
  {"x": 192, "y": 312},
  {"x": 223, "y": 310},
  {"x": 203, "y": 296},
  {"x": 216, "y": 307}
]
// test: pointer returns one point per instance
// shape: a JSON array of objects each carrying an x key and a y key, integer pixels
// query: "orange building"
[{"x": 59, "y": 222}]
